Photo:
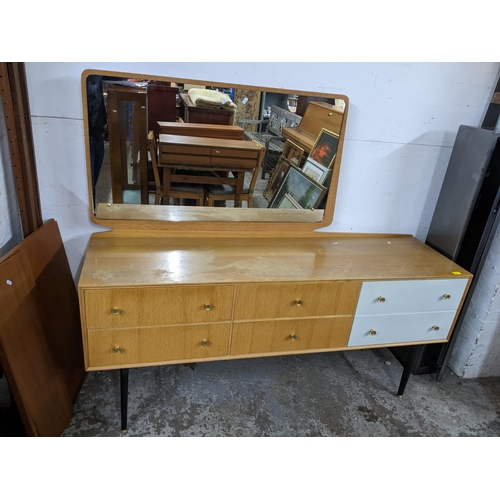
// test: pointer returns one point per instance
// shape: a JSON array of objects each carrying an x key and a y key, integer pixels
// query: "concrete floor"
[{"x": 329, "y": 394}]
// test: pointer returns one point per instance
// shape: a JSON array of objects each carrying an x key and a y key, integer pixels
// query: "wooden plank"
[
  {"x": 36, "y": 383},
  {"x": 58, "y": 301}
]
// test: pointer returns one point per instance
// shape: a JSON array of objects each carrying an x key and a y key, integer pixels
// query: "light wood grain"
[
  {"x": 199, "y": 215},
  {"x": 157, "y": 306},
  {"x": 121, "y": 260},
  {"x": 156, "y": 345},
  {"x": 278, "y": 300},
  {"x": 277, "y": 336}
]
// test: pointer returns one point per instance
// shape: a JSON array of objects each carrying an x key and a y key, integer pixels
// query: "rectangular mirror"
[{"x": 167, "y": 152}]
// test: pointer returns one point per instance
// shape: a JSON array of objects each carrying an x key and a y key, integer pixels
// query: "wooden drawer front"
[
  {"x": 185, "y": 150},
  {"x": 150, "y": 306},
  {"x": 290, "y": 335},
  {"x": 236, "y": 162},
  {"x": 400, "y": 328},
  {"x": 268, "y": 300},
  {"x": 233, "y": 153},
  {"x": 173, "y": 159},
  {"x": 410, "y": 296},
  {"x": 134, "y": 346}
]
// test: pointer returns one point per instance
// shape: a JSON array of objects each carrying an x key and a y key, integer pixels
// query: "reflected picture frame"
[
  {"x": 316, "y": 172},
  {"x": 276, "y": 178},
  {"x": 324, "y": 151},
  {"x": 293, "y": 153},
  {"x": 288, "y": 202},
  {"x": 307, "y": 193}
]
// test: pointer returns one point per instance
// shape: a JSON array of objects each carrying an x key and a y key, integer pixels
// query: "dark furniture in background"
[
  {"x": 196, "y": 114},
  {"x": 463, "y": 225}
]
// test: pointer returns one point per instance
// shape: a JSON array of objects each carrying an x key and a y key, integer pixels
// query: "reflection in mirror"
[{"x": 160, "y": 143}]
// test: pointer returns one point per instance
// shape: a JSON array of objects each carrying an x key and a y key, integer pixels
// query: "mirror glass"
[{"x": 170, "y": 149}]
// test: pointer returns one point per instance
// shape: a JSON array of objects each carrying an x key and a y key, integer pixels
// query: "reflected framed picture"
[
  {"x": 324, "y": 151},
  {"x": 293, "y": 153},
  {"x": 276, "y": 178},
  {"x": 288, "y": 202},
  {"x": 304, "y": 191},
  {"x": 315, "y": 172}
]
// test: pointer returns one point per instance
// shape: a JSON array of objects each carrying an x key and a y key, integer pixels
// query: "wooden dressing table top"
[{"x": 131, "y": 259}]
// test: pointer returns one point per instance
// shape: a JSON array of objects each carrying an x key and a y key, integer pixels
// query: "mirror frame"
[{"x": 298, "y": 223}]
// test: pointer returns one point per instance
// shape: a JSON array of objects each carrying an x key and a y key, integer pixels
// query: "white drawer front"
[
  {"x": 393, "y": 297},
  {"x": 396, "y": 328}
]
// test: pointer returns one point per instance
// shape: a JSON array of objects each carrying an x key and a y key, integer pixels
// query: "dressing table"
[{"x": 182, "y": 287}]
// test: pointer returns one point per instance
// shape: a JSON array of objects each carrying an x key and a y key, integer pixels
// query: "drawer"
[
  {"x": 295, "y": 300},
  {"x": 400, "y": 328},
  {"x": 174, "y": 159},
  {"x": 133, "y": 346},
  {"x": 290, "y": 335},
  {"x": 233, "y": 153},
  {"x": 392, "y": 297},
  {"x": 184, "y": 150},
  {"x": 149, "y": 306},
  {"x": 234, "y": 162}
]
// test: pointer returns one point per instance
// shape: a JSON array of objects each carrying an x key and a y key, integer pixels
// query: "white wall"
[{"x": 402, "y": 123}]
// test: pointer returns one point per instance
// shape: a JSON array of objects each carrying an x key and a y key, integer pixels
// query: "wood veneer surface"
[{"x": 124, "y": 259}]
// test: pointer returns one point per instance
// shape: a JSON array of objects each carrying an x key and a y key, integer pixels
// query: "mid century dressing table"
[{"x": 172, "y": 285}]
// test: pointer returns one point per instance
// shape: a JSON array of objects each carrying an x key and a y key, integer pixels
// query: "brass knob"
[
  {"x": 381, "y": 299},
  {"x": 117, "y": 350},
  {"x": 435, "y": 328},
  {"x": 208, "y": 307},
  {"x": 115, "y": 311},
  {"x": 372, "y": 332},
  {"x": 205, "y": 343},
  {"x": 293, "y": 336},
  {"x": 446, "y": 296},
  {"x": 298, "y": 302}
]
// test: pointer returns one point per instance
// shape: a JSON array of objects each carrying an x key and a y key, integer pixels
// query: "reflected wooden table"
[
  {"x": 202, "y": 130},
  {"x": 207, "y": 154}
]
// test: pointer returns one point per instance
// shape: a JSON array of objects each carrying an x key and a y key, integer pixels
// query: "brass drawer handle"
[
  {"x": 115, "y": 311},
  {"x": 293, "y": 336},
  {"x": 298, "y": 302},
  {"x": 372, "y": 332},
  {"x": 381, "y": 299},
  {"x": 117, "y": 350},
  {"x": 446, "y": 296},
  {"x": 435, "y": 328},
  {"x": 205, "y": 343},
  {"x": 208, "y": 307}
]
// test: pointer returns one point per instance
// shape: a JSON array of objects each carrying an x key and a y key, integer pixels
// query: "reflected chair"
[
  {"x": 223, "y": 192},
  {"x": 178, "y": 191},
  {"x": 272, "y": 138}
]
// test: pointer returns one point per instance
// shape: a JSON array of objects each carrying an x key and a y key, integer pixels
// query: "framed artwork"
[
  {"x": 315, "y": 172},
  {"x": 288, "y": 202},
  {"x": 304, "y": 191},
  {"x": 276, "y": 178},
  {"x": 325, "y": 149},
  {"x": 293, "y": 153}
]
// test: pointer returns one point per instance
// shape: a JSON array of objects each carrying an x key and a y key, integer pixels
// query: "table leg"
[
  {"x": 124, "y": 397},
  {"x": 240, "y": 179},
  {"x": 408, "y": 368}
]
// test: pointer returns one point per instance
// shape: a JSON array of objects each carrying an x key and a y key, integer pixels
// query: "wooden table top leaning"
[{"x": 208, "y": 154}]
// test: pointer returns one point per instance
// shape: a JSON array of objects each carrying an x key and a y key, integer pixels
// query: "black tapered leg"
[
  {"x": 124, "y": 397},
  {"x": 409, "y": 367}
]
